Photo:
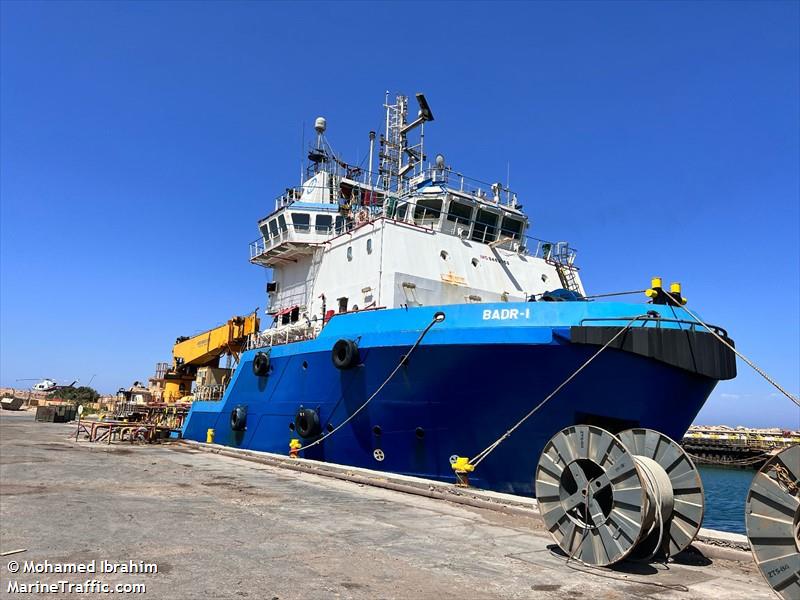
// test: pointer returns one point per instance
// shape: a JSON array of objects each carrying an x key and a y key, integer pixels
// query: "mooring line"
[
  {"x": 475, "y": 461},
  {"x": 755, "y": 367},
  {"x": 437, "y": 318}
]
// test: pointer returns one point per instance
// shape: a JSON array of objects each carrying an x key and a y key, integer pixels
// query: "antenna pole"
[
  {"x": 508, "y": 183},
  {"x": 371, "y": 153},
  {"x": 421, "y": 148},
  {"x": 302, "y": 149}
]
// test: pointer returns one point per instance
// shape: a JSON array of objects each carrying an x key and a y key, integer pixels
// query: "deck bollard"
[{"x": 210, "y": 436}]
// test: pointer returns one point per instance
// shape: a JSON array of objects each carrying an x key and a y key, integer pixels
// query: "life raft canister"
[
  {"x": 261, "y": 364},
  {"x": 345, "y": 354},
  {"x": 239, "y": 418},
  {"x": 306, "y": 423}
]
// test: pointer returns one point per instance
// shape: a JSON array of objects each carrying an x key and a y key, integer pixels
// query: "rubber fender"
[
  {"x": 239, "y": 418},
  {"x": 306, "y": 423},
  {"x": 261, "y": 364},
  {"x": 345, "y": 354}
]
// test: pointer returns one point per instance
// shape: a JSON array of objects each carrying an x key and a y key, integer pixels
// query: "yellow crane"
[{"x": 203, "y": 351}]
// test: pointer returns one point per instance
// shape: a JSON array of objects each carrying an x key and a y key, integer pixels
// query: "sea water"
[{"x": 725, "y": 491}]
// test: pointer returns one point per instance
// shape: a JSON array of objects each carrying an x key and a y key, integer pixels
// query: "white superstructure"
[{"x": 411, "y": 234}]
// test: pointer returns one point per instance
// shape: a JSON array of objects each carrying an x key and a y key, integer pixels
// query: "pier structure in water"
[{"x": 736, "y": 446}]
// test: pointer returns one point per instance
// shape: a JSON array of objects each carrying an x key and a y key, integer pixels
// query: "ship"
[{"x": 413, "y": 319}]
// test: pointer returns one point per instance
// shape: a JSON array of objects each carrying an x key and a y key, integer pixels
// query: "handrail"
[
  {"x": 645, "y": 319},
  {"x": 474, "y": 229}
]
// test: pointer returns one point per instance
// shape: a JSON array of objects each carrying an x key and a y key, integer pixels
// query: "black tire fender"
[
  {"x": 306, "y": 423},
  {"x": 345, "y": 354},
  {"x": 261, "y": 364},
  {"x": 239, "y": 418}
]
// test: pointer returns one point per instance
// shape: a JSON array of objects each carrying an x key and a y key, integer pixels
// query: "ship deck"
[{"x": 222, "y": 527}]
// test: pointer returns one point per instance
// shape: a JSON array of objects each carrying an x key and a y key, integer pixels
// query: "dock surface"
[{"x": 220, "y": 527}]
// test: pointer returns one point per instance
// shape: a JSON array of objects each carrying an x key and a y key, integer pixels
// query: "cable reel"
[
  {"x": 772, "y": 517},
  {"x": 602, "y": 502},
  {"x": 683, "y": 522}
]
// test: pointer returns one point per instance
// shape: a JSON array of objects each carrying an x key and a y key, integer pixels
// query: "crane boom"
[
  {"x": 206, "y": 348},
  {"x": 203, "y": 350}
]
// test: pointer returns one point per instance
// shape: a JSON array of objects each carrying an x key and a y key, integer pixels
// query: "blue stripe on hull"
[{"x": 463, "y": 393}]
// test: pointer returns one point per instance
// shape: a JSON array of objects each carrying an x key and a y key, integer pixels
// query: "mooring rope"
[
  {"x": 476, "y": 460},
  {"x": 437, "y": 318},
  {"x": 755, "y": 367}
]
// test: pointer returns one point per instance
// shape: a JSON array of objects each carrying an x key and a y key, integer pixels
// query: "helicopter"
[{"x": 47, "y": 385}]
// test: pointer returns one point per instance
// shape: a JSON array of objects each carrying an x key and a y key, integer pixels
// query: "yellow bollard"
[
  {"x": 294, "y": 448},
  {"x": 210, "y": 436},
  {"x": 463, "y": 468}
]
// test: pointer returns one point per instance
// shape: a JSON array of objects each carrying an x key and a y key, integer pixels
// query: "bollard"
[
  {"x": 462, "y": 468},
  {"x": 210, "y": 436},
  {"x": 294, "y": 448}
]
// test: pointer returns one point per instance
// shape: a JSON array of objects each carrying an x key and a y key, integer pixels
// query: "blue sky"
[{"x": 140, "y": 142}]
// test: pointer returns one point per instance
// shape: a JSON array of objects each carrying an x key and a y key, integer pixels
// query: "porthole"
[
  {"x": 474, "y": 262},
  {"x": 369, "y": 246},
  {"x": 349, "y": 253},
  {"x": 443, "y": 254},
  {"x": 291, "y": 426},
  {"x": 329, "y": 427},
  {"x": 420, "y": 433},
  {"x": 377, "y": 430},
  {"x": 305, "y": 365}
]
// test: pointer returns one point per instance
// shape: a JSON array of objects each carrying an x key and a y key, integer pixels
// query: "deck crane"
[{"x": 197, "y": 357}]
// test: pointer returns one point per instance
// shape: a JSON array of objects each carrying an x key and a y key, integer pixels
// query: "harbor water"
[{"x": 725, "y": 491}]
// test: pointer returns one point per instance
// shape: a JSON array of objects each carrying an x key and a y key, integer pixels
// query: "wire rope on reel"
[
  {"x": 600, "y": 501},
  {"x": 683, "y": 521},
  {"x": 772, "y": 518}
]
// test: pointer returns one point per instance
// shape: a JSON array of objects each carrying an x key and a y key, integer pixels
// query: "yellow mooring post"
[
  {"x": 462, "y": 469},
  {"x": 210, "y": 436},
  {"x": 294, "y": 448}
]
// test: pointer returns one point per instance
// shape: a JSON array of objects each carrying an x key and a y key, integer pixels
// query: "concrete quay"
[{"x": 218, "y": 526}]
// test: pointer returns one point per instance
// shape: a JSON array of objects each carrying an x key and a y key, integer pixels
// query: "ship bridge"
[
  {"x": 410, "y": 233},
  {"x": 295, "y": 230}
]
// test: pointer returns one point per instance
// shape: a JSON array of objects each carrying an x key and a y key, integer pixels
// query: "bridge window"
[
  {"x": 339, "y": 224},
  {"x": 459, "y": 213},
  {"x": 400, "y": 212},
  {"x": 511, "y": 228},
  {"x": 273, "y": 228},
  {"x": 281, "y": 222},
  {"x": 301, "y": 221},
  {"x": 427, "y": 211},
  {"x": 485, "y": 229},
  {"x": 324, "y": 223}
]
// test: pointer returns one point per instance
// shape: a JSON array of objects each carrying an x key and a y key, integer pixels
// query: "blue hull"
[{"x": 473, "y": 376}]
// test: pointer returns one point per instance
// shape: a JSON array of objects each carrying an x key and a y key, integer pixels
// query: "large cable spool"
[
  {"x": 601, "y": 501},
  {"x": 683, "y": 521},
  {"x": 772, "y": 517}
]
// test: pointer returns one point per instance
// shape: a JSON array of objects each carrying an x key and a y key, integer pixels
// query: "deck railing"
[{"x": 491, "y": 233}]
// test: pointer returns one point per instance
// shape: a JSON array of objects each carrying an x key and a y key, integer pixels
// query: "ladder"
[
  {"x": 390, "y": 157},
  {"x": 562, "y": 257}
]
